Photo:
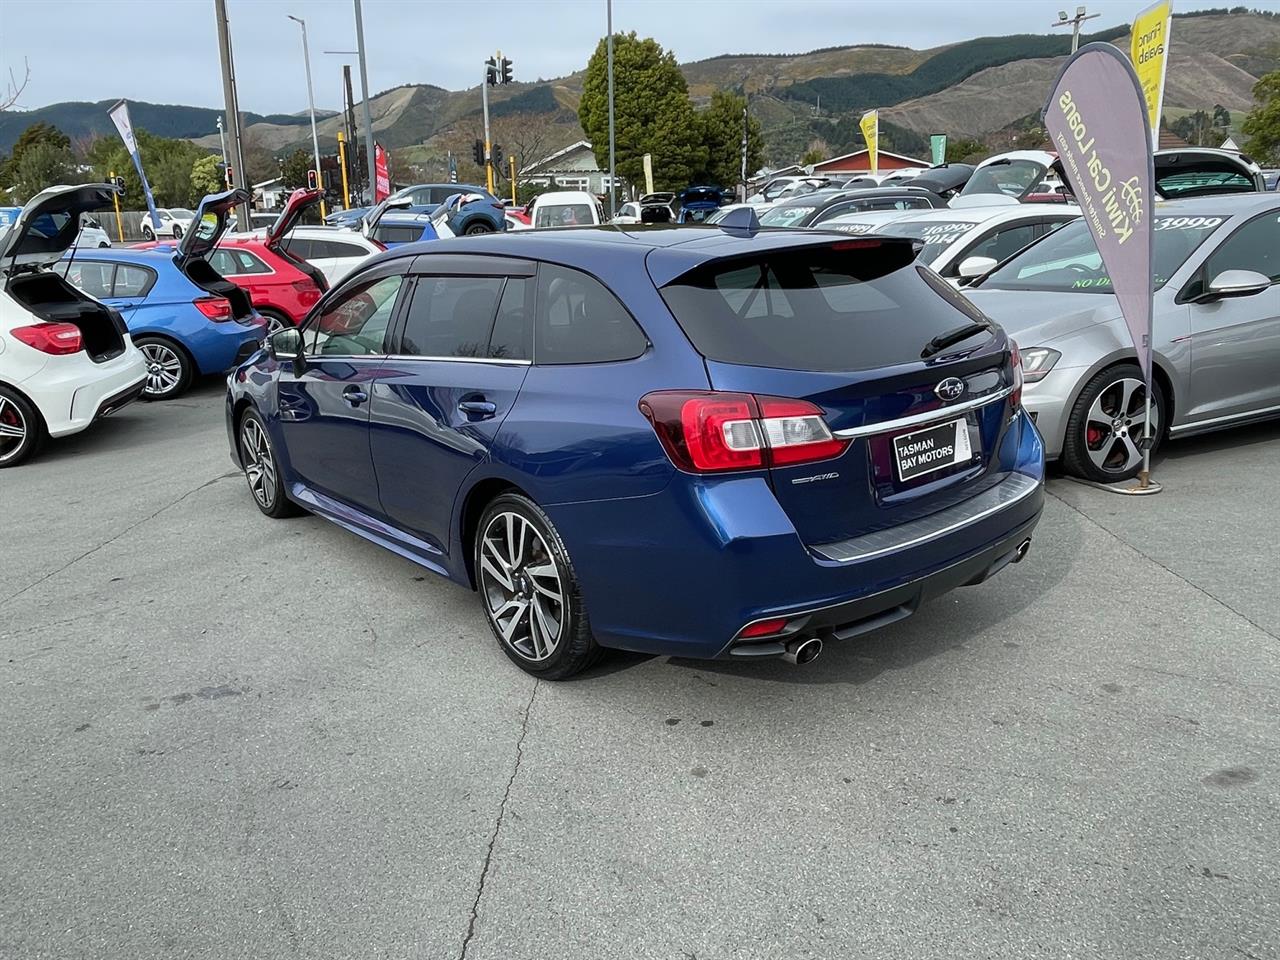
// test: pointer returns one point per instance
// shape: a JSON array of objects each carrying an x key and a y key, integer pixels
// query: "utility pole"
[
  {"x": 364, "y": 91},
  {"x": 231, "y": 103},
  {"x": 613, "y": 189},
  {"x": 311, "y": 102},
  {"x": 1081, "y": 16}
]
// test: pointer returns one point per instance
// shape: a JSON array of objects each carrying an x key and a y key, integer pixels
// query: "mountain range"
[{"x": 967, "y": 89}]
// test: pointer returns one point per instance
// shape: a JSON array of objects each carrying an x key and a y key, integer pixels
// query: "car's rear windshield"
[
  {"x": 1068, "y": 259},
  {"x": 851, "y": 305},
  {"x": 936, "y": 234}
]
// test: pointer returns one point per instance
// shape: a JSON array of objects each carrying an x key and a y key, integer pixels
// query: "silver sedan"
[{"x": 1216, "y": 332}]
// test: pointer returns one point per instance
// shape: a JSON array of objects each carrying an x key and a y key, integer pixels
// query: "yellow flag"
[
  {"x": 870, "y": 124},
  {"x": 1149, "y": 50}
]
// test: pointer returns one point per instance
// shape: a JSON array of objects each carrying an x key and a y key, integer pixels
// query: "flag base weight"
[{"x": 1139, "y": 487}]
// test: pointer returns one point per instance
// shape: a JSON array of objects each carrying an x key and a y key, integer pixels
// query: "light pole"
[
  {"x": 1080, "y": 17},
  {"x": 613, "y": 190},
  {"x": 364, "y": 92},
  {"x": 311, "y": 102},
  {"x": 222, "y": 139}
]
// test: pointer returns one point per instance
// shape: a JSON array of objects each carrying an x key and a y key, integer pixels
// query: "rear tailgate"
[{"x": 841, "y": 329}]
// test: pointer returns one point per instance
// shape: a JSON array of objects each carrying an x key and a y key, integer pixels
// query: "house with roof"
[
  {"x": 852, "y": 164},
  {"x": 571, "y": 168}
]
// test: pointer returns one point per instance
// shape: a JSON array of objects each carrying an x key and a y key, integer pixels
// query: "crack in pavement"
[
  {"x": 112, "y": 539},
  {"x": 497, "y": 826},
  {"x": 1173, "y": 573}
]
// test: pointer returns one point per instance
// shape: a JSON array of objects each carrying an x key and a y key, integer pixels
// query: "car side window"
[
  {"x": 579, "y": 321},
  {"x": 221, "y": 261},
  {"x": 300, "y": 247},
  {"x": 247, "y": 263},
  {"x": 999, "y": 245},
  {"x": 91, "y": 276},
  {"x": 1255, "y": 246},
  {"x": 132, "y": 281},
  {"x": 450, "y": 316},
  {"x": 355, "y": 325},
  {"x": 512, "y": 336},
  {"x": 339, "y": 248}
]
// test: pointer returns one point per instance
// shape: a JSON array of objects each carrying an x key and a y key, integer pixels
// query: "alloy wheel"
[
  {"x": 274, "y": 323},
  {"x": 259, "y": 465},
  {"x": 13, "y": 429},
  {"x": 1114, "y": 425},
  {"x": 522, "y": 586},
  {"x": 164, "y": 368}
]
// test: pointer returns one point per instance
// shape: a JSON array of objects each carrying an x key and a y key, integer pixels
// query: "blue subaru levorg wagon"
[{"x": 697, "y": 441}]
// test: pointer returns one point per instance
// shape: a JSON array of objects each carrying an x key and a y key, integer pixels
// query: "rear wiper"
[{"x": 952, "y": 337}]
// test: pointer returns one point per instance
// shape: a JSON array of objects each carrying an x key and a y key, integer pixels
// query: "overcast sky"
[{"x": 166, "y": 51}]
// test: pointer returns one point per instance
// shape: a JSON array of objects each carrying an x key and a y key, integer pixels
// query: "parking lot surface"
[{"x": 226, "y": 736}]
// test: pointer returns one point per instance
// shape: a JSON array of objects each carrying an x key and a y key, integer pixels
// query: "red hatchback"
[{"x": 283, "y": 287}]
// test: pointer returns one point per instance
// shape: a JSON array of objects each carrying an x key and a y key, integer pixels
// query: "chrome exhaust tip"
[
  {"x": 800, "y": 652},
  {"x": 1021, "y": 552}
]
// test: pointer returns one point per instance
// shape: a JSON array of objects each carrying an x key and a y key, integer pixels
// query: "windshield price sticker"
[{"x": 1187, "y": 223}]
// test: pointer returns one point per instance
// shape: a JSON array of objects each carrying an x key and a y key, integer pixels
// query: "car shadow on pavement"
[{"x": 1223, "y": 440}]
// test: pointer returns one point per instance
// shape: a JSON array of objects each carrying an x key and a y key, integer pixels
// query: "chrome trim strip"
[
  {"x": 321, "y": 357},
  {"x": 1011, "y": 490},
  {"x": 943, "y": 413},
  {"x": 1197, "y": 424}
]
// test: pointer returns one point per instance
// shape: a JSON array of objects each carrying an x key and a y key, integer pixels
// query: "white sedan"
[
  {"x": 983, "y": 236},
  {"x": 66, "y": 360},
  {"x": 335, "y": 251},
  {"x": 174, "y": 222}
]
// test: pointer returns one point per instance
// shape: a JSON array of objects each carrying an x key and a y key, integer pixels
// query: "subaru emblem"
[{"x": 950, "y": 389}]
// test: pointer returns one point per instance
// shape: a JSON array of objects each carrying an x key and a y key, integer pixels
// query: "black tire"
[
  {"x": 177, "y": 232},
  {"x": 147, "y": 233},
  {"x": 103, "y": 246},
  {"x": 573, "y": 649},
  {"x": 276, "y": 321},
  {"x": 169, "y": 367},
  {"x": 265, "y": 485},
  {"x": 477, "y": 227},
  {"x": 17, "y": 414},
  {"x": 1101, "y": 443}
]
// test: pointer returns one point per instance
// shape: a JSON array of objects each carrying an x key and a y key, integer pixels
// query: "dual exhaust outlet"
[{"x": 804, "y": 650}]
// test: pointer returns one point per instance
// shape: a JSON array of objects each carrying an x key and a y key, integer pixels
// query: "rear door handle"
[
  {"x": 355, "y": 396},
  {"x": 478, "y": 409}
]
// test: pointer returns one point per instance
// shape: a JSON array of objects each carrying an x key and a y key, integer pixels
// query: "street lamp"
[
  {"x": 311, "y": 100},
  {"x": 1080, "y": 17}
]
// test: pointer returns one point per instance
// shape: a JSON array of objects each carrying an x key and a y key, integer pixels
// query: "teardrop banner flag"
[
  {"x": 120, "y": 117},
  {"x": 1149, "y": 51},
  {"x": 938, "y": 148},
  {"x": 870, "y": 126},
  {"x": 1098, "y": 122}
]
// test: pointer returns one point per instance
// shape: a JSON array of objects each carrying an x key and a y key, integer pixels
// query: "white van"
[{"x": 565, "y": 208}]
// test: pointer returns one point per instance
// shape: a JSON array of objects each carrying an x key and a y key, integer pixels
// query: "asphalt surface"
[{"x": 226, "y": 736}]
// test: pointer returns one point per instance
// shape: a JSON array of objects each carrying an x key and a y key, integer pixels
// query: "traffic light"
[
  {"x": 312, "y": 180},
  {"x": 496, "y": 154},
  {"x": 505, "y": 76},
  {"x": 491, "y": 72},
  {"x": 477, "y": 152}
]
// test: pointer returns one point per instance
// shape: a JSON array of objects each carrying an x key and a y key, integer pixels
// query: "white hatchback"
[
  {"x": 174, "y": 222},
  {"x": 66, "y": 360}
]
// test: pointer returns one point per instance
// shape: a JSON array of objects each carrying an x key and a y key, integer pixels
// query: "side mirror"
[
  {"x": 971, "y": 268},
  {"x": 1235, "y": 283},
  {"x": 286, "y": 345}
]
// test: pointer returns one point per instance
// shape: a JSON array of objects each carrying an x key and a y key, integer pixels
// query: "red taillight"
[
  {"x": 763, "y": 628},
  {"x": 796, "y": 432},
  {"x": 58, "y": 339},
  {"x": 217, "y": 309},
  {"x": 308, "y": 292},
  {"x": 1015, "y": 398},
  {"x": 712, "y": 432}
]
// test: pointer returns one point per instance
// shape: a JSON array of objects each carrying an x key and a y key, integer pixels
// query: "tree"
[
  {"x": 653, "y": 113},
  {"x": 1221, "y": 116},
  {"x": 40, "y": 165},
  {"x": 206, "y": 176},
  {"x": 39, "y": 134},
  {"x": 1197, "y": 129},
  {"x": 295, "y": 168},
  {"x": 168, "y": 164},
  {"x": 1262, "y": 126},
  {"x": 722, "y": 136},
  {"x": 965, "y": 150}
]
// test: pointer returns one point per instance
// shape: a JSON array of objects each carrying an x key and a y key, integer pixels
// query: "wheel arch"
[
  {"x": 478, "y": 496},
  {"x": 8, "y": 385}
]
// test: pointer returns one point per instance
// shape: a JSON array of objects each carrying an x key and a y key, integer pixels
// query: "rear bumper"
[
  {"x": 73, "y": 391},
  {"x": 681, "y": 572}
]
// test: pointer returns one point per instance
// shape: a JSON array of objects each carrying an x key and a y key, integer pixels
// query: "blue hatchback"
[{"x": 703, "y": 441}]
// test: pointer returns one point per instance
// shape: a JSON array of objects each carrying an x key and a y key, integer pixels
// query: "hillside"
[{"x": 970, "y": 88}]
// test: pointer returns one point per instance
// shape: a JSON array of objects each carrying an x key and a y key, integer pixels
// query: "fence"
[{"x": 130, "y": 219}]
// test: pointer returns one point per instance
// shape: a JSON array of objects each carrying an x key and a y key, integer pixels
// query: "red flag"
[{"x": 381, "y": 179}]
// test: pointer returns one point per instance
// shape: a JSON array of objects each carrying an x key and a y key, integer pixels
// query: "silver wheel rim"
[
  {"x": 13, "y": 429},
  {"x": 164, "y": 368},
  {"x": 1114, "y": 425},
  {"x": 274, "y": 324},
  {"x": 259, "y": 465},
  {"x": 522, "y": 588}
]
